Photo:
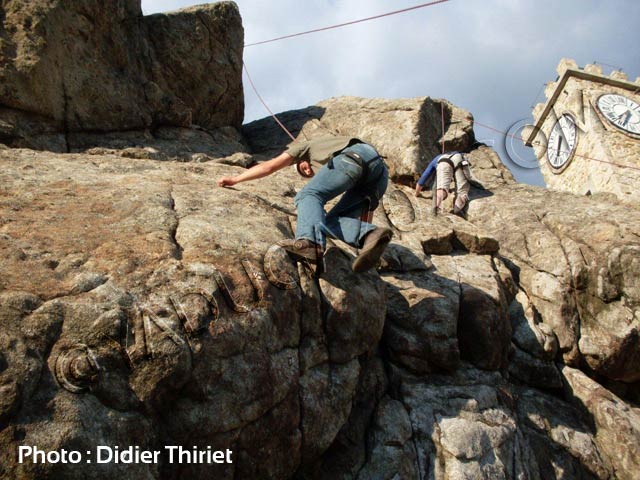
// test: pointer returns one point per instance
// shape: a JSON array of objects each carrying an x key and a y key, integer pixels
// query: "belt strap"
[
  {"x": 364, "y": 164},
  {"x": 448, "y": 160},
  {"x": 358, "y": 159},
  {"x": 463, "y": 163},
  {"x": 365, "y": 172}
]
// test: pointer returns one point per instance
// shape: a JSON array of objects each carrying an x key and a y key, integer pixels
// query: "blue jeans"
[{"x": 360, "y": 195}]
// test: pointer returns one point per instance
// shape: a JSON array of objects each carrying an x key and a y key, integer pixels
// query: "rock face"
[
  {"x": 617, "y": 425},
  {"x": 143, "y": 306},
  {"x": 577, "y": 264},
  {"x": 139, "y": 273},
  {"x": 102, "y": 66}
]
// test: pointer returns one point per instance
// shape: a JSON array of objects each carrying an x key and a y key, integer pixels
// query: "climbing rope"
[
  {"x": 506, "y": 134},
  {"x": 429, "y": 4},
  {"x": 246, "y": 70},
  {"x": 442, "y": 115},
  {"x": 348, "y": 23}
]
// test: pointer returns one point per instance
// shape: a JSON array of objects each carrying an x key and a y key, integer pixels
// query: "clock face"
[
  {"x": 620, "y": 111},
  {"x": 562, "y": 141}
]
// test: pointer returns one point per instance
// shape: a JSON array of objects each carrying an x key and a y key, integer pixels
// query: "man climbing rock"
[
  {"x": 350, "y": 166},
  {"x": 448, "y": 166}
]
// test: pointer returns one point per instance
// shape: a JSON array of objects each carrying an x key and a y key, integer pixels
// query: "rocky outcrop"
[
  {"x": 136, "y": 292},
  {"x": 194, "y": 144},
  {"x": 576, "y": 261},
  {"x": 141, "y": 305},
  {"x": 617, "y": 425},
  {"x": 101, "y": 66},
  {"x": 408, "y": 132},
  {"x": 137, "y": 300}
]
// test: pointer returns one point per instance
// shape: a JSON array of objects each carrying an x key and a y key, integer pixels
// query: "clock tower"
[{"x": 587, "y": 134}]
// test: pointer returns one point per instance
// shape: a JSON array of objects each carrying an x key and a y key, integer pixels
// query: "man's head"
[{"x": 304, "y": 168}]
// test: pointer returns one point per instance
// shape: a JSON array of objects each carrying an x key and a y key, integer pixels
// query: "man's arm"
[
  {"x": 260, "y": 170},
  {"x": 425, "y": 175},
  {"x": 422, "y": 180}
]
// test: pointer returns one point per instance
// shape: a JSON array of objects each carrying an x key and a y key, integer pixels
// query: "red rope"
[
  {"x": 329, "y": 28},
  {"x": 442, "y": 115},
  {"x": 620, "y": 165},
  {"x": 265, "y": 105},
  {"x": 348, "y": 23}
]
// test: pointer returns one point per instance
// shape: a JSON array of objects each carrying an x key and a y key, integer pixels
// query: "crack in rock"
[{"x": 174, "y": 229}]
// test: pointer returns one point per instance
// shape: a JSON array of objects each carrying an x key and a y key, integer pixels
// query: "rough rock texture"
[
  {"x": 617, "y": 425},
  {"x": 473, "y": 425},
  {"x": 102, "y": 66},
  {"x": 223, "y": 145},
  {"x": 408, "y": 132},
  {"x": 577, "y": 261},
  {"x": 142, "y": 305},
  {"x": 169, "y": 295}
]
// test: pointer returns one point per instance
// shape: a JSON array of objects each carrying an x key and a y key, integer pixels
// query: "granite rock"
[
  {"x": 142, "y": 304},
  {"x": 101, "y": 66}
]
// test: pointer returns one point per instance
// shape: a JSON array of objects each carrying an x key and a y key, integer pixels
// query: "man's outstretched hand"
[{"x": 226, "y": 182}]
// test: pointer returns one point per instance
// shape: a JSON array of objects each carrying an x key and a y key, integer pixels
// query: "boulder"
[
  {"x": 455, "y": 310},
  {"x": 102, "y": 66},
  {"x": 471, "y": 424},
  {"x": 576, "y": 258},
  {"x": 422, "y": 319}
]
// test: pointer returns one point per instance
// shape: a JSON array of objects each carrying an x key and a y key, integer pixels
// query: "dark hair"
[{"x": 302, "y": 174}]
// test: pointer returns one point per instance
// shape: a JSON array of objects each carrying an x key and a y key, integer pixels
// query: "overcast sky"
[{"x": 491, "y": 57}]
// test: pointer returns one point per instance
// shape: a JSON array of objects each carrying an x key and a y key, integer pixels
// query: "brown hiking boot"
[
  {"x": 374, "y": 244},
  {"x": 302, "y": 249}
]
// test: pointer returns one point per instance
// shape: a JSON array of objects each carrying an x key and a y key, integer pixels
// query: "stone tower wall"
[{"x": 601, "y": 151}]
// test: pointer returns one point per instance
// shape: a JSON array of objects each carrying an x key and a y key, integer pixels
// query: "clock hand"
[
  {"x": 627, "y": 117},
  {"x": 618, "y": 117},
  {"x": 563, "y": 135}
]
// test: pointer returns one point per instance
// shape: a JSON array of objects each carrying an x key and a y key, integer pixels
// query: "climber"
[
  {"x": 448, "y": 166},
  {"x": 352, "y": 167}
]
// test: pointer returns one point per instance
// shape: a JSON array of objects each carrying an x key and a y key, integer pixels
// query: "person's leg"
[
  {"x": 346, "y": 218},
  {"x": 444, "y": 174},
  {"x": 328, "y": 183},
  {"x": 441, "y": 196},
  {"x": 373, "y": 240},
  {"x": 462, "y": 189}
]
